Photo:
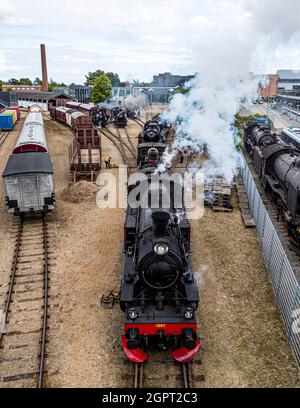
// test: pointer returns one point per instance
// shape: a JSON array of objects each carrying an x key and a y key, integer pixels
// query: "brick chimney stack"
[{"x": 45, "y": 85}]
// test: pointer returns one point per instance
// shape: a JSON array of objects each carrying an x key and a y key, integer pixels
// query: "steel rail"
[
  {"x": 12, "y": 279},
  {"x": 45, "y": 308},
  {"x": 185, "y": 376},
  {"x": 117, "y": 137},
  {"x": 3, "y": 137},
  {"x": 138, "y": 375},
  {"x": 134, "y": 150}
]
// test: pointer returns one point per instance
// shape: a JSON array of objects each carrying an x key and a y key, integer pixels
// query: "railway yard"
[{"x": 54, "y": 272}]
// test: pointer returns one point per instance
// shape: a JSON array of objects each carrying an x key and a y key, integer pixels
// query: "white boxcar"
[
  {"x": 32, "y": 137},
  {"x": 28, "y": 184}
]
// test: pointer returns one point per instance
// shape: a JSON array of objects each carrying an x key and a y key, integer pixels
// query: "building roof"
[
  {"x": 42, "y": 95},
  {"x": 288, "y": 74},
  {"x": 23, "y": 163},
  {"x": 295, "y": 98}
]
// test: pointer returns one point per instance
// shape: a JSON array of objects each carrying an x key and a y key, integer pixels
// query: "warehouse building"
[{"x": 44, "y": 99}]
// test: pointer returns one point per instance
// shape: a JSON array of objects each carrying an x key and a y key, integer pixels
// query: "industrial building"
[
  {"x": 81, "y": 93},
  {"x": 8, "y": 99},
  {"x": 169, "y": 80}
]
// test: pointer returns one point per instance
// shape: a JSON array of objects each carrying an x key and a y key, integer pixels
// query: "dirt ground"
[{"x": 243, "y": 339}]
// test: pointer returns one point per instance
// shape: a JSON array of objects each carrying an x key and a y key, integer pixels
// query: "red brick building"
[{"x": 271, "y": 89}]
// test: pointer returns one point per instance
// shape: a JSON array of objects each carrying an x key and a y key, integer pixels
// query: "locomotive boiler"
[
  {"x": 281, "y": 178},
  {"x": 159, "y": 294}
]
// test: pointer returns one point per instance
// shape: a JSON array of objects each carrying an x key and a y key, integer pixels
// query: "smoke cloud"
[
  {"x": 205, "y": 118},
  {"x": 134, "y": 102}
]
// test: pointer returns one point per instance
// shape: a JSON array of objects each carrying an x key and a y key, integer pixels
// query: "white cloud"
[{"x": 140, "y": 38}]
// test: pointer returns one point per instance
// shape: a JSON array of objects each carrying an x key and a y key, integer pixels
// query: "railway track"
[
  {"x": 173, "y": 378},
  {"x": 122, "y": 147},
  {"x": 3, "y": 137},
  {"x": 139, "y": 121},
  {"x": 133, "y": 148},
  {"x": 23, "y": 332}
]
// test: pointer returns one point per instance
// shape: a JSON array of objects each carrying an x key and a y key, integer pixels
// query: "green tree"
[
  {"x": 37, "y": 81},
  {"x": 25, "y": 81},
  {"x": 182, "y": 90},
  {"x": 114, "y": 78},
  {"x": 54, "y": 84},
  {"x": 92, "y": 76},
  {"x": 13, "y": 81},
  {"x": 1, "y": 83},
  {"x": 102, "y": 89}
]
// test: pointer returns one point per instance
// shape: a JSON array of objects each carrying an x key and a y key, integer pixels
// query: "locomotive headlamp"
[
  {"x": 189, "y": 313},
  {"x": 132, "y": 314},
  {"x": 161, "y": 248}
]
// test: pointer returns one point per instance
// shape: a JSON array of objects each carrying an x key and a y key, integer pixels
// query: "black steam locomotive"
[
  {"x": 278, "y": 166},
  {"x": 152, "y": 144},
  {"x": 118, "y": 117},
  {"x": 159, "y": 295},
  {"x": 100, "y": 118}
]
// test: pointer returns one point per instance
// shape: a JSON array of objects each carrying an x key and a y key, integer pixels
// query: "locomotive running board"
[
  {"x": 136, "y": 356},
  {"x": 184, "y": 355}
]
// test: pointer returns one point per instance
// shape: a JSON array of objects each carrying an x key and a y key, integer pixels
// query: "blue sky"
[{"x": 139, "y": 38}]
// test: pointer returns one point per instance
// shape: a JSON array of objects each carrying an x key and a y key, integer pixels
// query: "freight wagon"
[
  {"x": 28, "y": 184},
  {"x": 17, "y": 109},
  {"x": 85, "y": 152},
  {"x": 8, "y": 118}
]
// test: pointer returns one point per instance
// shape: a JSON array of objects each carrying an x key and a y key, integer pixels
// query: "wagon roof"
[{"x": 23, "y": 163}]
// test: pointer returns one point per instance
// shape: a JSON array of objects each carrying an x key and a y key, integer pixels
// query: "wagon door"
[{"x": 30, "y": 192}]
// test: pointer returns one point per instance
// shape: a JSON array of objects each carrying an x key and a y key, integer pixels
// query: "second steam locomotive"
[{"x": 278, "y": 166}]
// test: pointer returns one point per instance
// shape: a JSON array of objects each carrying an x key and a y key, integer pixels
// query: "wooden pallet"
[
  {"x": 244, "y": 203},
  {"x": 219, "y": 192}
]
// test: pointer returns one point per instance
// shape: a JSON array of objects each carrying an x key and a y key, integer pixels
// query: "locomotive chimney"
[
  {"x": 45, "y": 85},
  {"x": 160, "y": 222}
]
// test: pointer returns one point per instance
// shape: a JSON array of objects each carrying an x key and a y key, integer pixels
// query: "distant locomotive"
[
  {"x": 118, "y": 117},
  {"x": 159, "y": 294},
  {"x": 152, "y": 144},
  {"x": 278, "y": 166},
  {"x": 28, "y": 176},
  {"x": 96, "y": 114}
]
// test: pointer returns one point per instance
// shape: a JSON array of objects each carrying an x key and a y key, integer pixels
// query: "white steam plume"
[
  {"x": 134, "y": 102},
  {"x": 205, "y": 117}
]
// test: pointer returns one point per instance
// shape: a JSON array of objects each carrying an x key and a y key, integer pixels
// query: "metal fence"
[{"x": 285, "y": 284}]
